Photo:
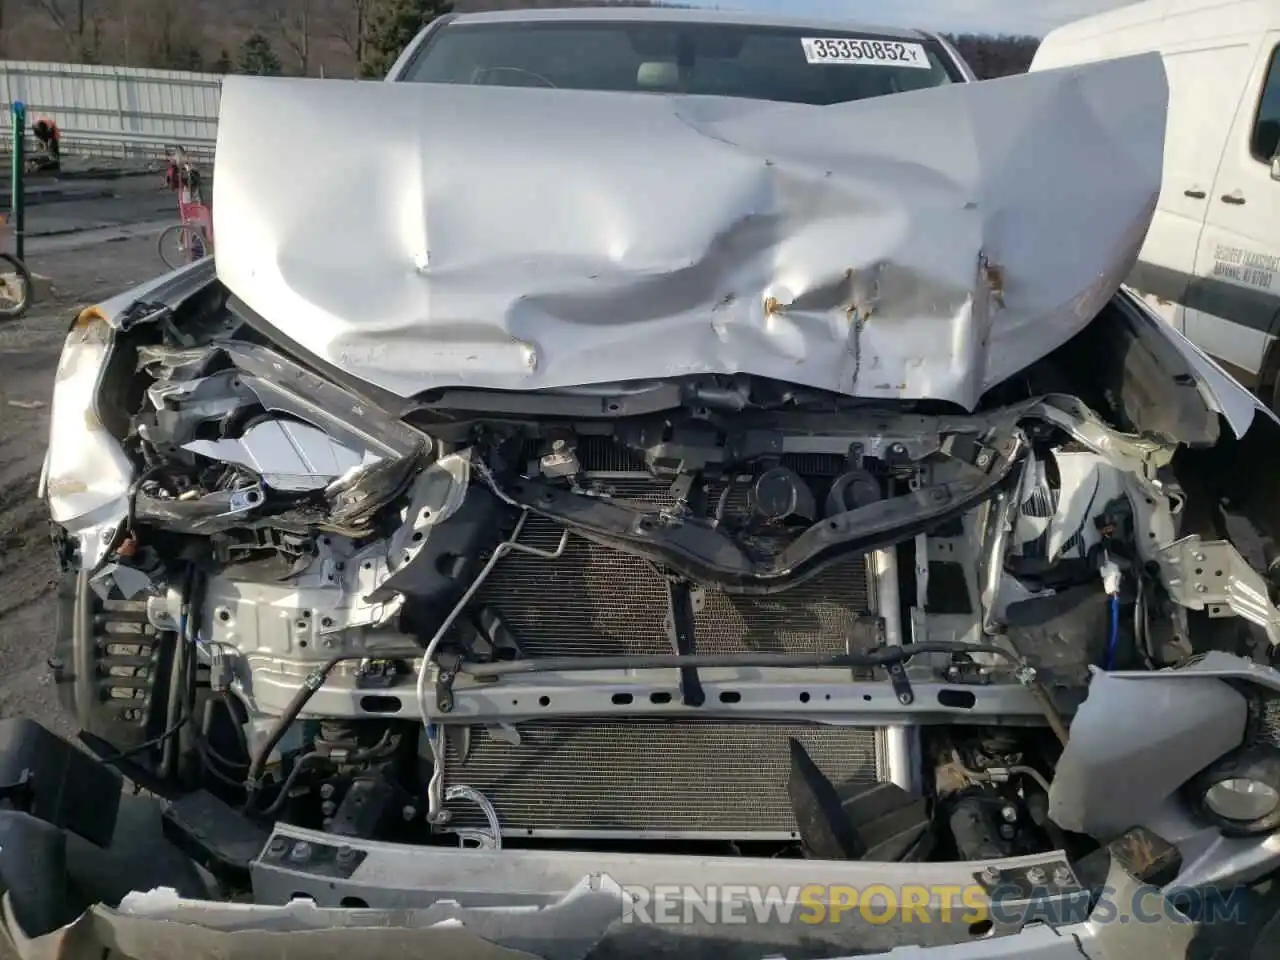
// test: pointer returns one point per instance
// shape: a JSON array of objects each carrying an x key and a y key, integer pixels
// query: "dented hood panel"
[{"x": 425, "y": 236}]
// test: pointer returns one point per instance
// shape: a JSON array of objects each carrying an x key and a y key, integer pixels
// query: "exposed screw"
[
  {"x": 991, "y": 876},
  {"x": 301, "y": 852},
  {"x": 904, "y": 699},
  {"x": 1036, "y": 876},
  {"x": 1198, "y": 557},
  {"x": 897, "y": 448},
  {"x": 1062, "y": 875},
  {"x": 984, "y": 459},
  {"x": 557, "y": 446},
  {"x": 1010, "y": 813}
]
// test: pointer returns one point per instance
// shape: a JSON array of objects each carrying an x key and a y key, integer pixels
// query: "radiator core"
[
  {"x": 612, "y": 776},
  {"x": 652, "y": 777}
]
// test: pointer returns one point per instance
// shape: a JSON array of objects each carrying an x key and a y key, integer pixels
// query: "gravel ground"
[
  {"x": 83, "y": 273},
  {"x": 85, "y": 268}
]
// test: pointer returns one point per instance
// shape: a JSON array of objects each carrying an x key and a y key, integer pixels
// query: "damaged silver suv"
[{"x": 693, "y": 483}]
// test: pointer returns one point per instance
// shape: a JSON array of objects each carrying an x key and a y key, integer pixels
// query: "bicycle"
[
  {"x": 16, "y": 288},
  {"x": 190, "y": 239}
]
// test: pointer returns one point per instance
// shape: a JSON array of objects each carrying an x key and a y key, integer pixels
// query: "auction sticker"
[{"x": 873, "y": 53}]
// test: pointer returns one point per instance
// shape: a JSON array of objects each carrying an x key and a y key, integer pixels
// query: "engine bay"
[{"x": 726, "y": 615}]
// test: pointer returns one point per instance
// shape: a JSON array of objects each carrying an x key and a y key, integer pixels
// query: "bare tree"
[
  {"x": 161, "y": 33},
  {"x": 71, "y": 18},
  {"x": 296, "y": 25},
  {"x": 350, "y": 26}
]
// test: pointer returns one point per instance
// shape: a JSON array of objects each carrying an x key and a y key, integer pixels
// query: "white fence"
[{"x": 115, "y": 111}]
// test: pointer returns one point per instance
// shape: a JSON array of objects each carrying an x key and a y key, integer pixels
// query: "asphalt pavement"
[
  {"x": 85, "y": 267},
  {"x": 100, "y": 207},
  {"x": 100, "y": 242},
  {"x": 90, "y": 249}
]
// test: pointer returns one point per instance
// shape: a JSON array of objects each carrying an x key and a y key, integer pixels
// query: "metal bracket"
[
  {"x": 376, "y": 674},
  {"x": 307, "y": 856},
  {"x": 446, "y": 672},
  {"x": 1036, "y": 882},
  {"x": 901, "y": 684},
  {"x": 1213, "y": 576}
]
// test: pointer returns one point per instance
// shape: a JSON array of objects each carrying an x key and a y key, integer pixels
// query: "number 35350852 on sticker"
[{"x": 865, "y": 52}]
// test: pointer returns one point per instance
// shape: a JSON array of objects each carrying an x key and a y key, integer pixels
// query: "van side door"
[
  {"x": 1234, "y": 298},
  {"x": 1206, "y": 80}
]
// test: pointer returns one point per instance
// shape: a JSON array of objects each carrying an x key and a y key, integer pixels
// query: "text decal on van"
[
  {"x": 1245, "y": 266},
  {"x": 874, "y": 53}
]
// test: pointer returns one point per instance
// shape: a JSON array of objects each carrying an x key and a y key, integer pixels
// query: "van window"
[{"x": 1266, "y": 127}]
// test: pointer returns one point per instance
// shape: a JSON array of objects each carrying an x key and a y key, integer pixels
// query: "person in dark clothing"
[{"x": 50, "y": 140}]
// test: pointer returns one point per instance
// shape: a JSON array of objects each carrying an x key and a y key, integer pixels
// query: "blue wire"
[{"x": 1113, "y": 640}]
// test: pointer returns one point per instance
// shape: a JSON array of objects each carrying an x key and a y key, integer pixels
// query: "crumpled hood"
[{"x": 920, "y": 245}]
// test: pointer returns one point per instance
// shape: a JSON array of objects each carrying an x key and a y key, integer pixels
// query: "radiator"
[
  {"x": 660, "y": 778},
  {"x": 597, "y": 601},
  {"x": 657, "y": 777}
]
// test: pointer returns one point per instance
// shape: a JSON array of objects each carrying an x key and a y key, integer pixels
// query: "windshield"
[{"x": 728, "y": 60}]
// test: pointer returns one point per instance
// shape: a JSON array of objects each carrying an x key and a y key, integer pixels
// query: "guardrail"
[{"x": 117, "y": 111}]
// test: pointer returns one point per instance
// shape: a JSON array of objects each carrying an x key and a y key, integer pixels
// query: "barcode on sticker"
[{"x": 878, "y": 53}]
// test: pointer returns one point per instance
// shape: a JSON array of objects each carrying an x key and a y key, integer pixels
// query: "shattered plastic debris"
[{"x": 161, "y": 925}]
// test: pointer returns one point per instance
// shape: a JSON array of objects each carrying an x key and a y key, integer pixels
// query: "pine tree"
[
  {"x": 257, "y": 57},
  {"x": 392, "y": 25},
  {"x": 223, "y": 63}
]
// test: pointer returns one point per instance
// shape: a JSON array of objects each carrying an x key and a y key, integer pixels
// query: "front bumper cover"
[{"x": 367, "y": 899}]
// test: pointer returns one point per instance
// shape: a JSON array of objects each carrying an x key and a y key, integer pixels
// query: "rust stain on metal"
[
  {"x": 993, "y": 277},
  {"x": 860, "y": 308}
]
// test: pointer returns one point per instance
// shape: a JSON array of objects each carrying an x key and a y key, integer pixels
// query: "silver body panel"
[{"x": 891, "y": 248}]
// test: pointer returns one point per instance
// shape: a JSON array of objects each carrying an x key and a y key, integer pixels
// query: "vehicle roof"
[
  {"x": 684, "y": 15},
  {"x": 1218, "y": 16}
]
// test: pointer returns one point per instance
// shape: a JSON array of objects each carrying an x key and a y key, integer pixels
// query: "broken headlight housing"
[{"x": 87, "y": 474}]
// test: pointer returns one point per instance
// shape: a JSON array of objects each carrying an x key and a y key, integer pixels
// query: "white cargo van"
[{"x": 1211, "y": 262}]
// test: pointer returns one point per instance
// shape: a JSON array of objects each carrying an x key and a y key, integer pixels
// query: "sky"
[{"x": 1035, "y": 17}]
